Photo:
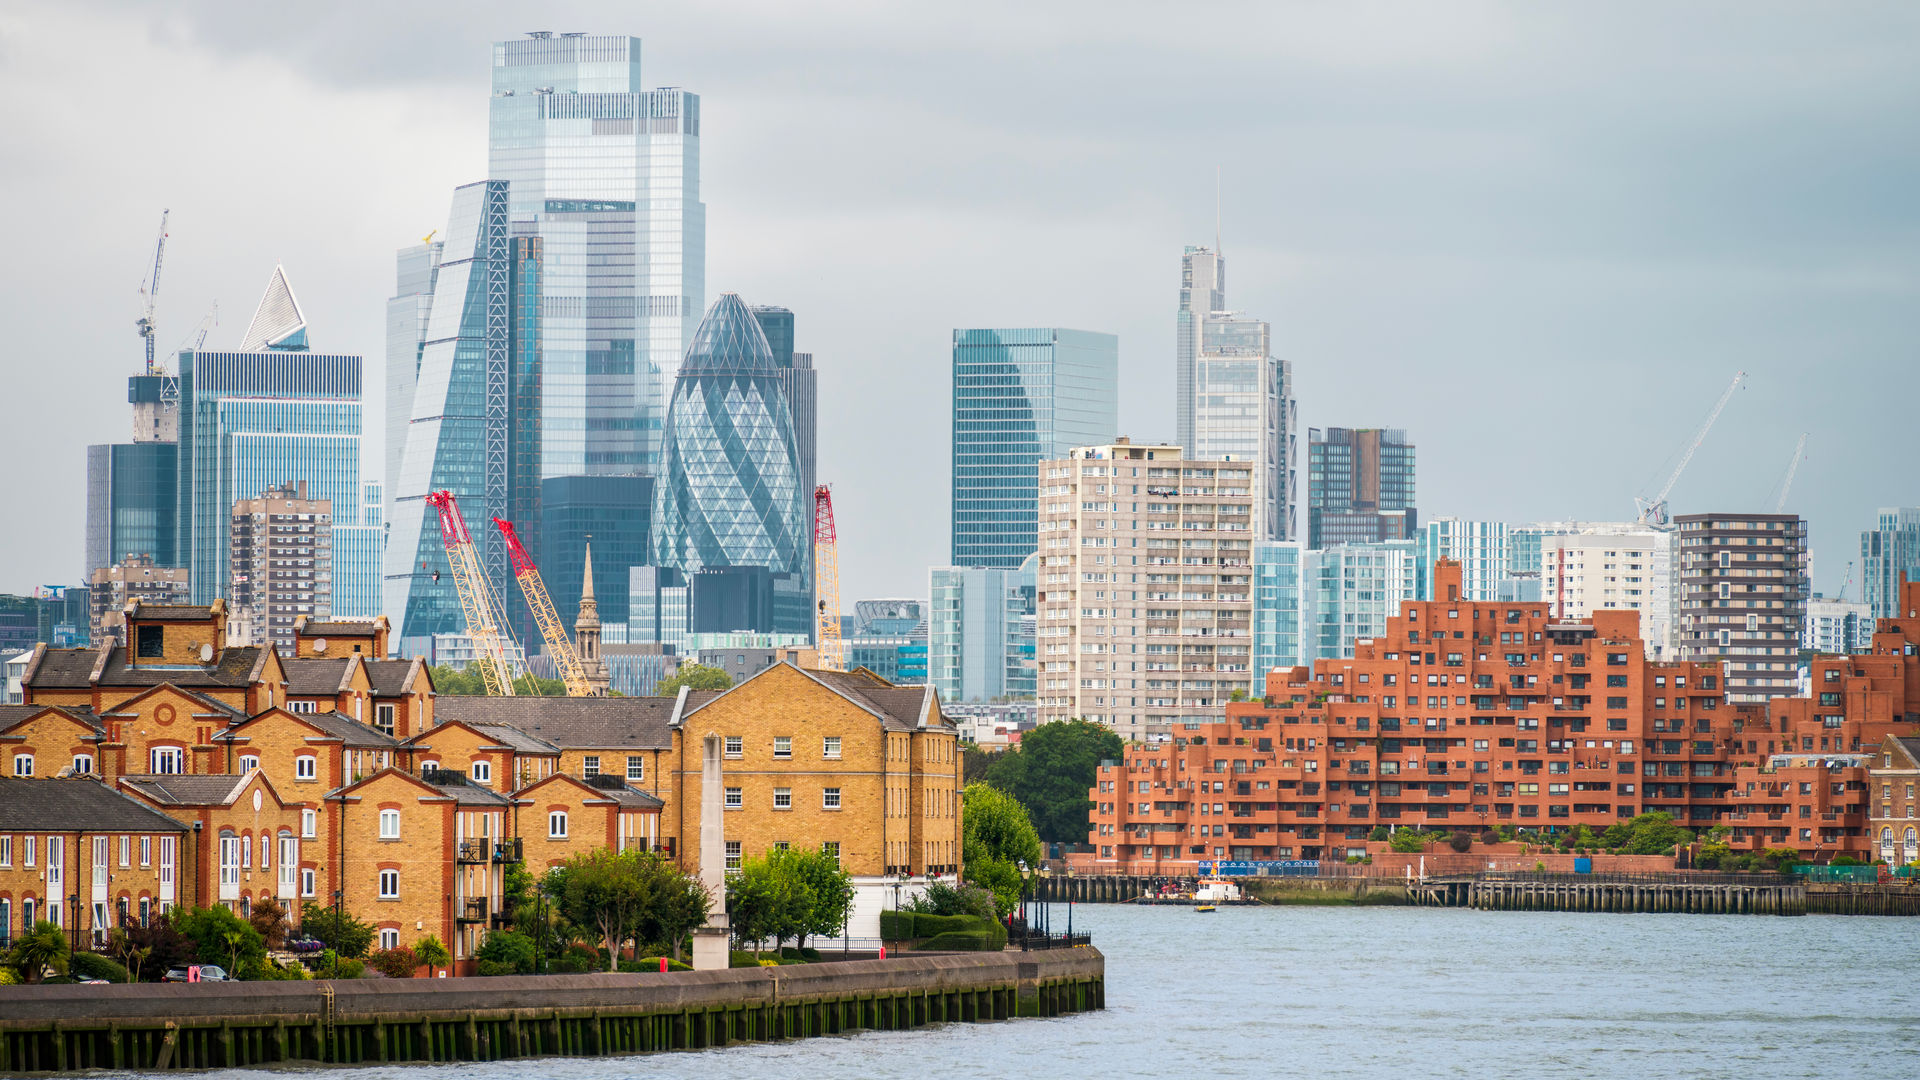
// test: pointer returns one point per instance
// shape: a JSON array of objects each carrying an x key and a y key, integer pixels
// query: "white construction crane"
[
  {"x": 1793, "y": 467},
  {"x": 1654, "y": 511},
  {"x": 150, "y": 292}
]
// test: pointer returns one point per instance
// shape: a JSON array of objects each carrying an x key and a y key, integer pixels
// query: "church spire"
[{"x": 586, "y": 632}]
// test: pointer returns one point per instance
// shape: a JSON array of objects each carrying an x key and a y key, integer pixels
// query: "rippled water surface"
[{"x": 1397, "y": 992}]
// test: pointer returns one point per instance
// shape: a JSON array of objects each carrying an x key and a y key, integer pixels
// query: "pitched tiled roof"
[
  {"x": 62, "y": 669},
  {"x": 187, "y": 789},
  {"x": 391, "y": 678},
  {"x": 508, "y": 735},
  {"x": 566, "y": 722},
  {"x": 900, "y": 707},
  {"x": 15, "y": 714},
  {"x": 67, "y": 805},
  {"x": 605, "y": 786},
  {"x": 332, "y": 628},
  {"x": 175, "y": 612},
  {"x": 203, "y": 704},
  {"x": 351, "y": 731},
  {"x": 316, "y": 677},
  {"x": 1910, "y": 744},
  {"x": 233, "y": 668},
  {"x": 464, "y": 792}
]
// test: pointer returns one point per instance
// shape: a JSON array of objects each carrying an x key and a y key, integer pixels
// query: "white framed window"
[
  {"x": 783, "y": 746},
  {"x": 782, "y": 798},
  {"x": 389, "y": 939},
  {"x": 302, "y": 707},
  {"x": 306, "y": 881},
  {"x": 289, "y": 860},
  {"x": 249, "y": 762},
  {"x": 101, "y": 852},
  {"x": 733, "y": 855},
  {"x": 82, "y": 764},
  {"x": 230, "y": 860},
  {"x": 830, "y": 798},
  {"x": 146, "y": 851},
  {"x": 590, "y": 765},
  {"x": 831, "y": 849},
  {"x": 23, "y": 765},
  {"x": 733, "y": 798},
  {"x": 733, "y": 746},
  {"x": 636, "y": 767},
  {"x": 830, "y": 747},
  {"x": 309, "y": 822},
  {"x": 557, "y": 825},
  {"x": 383, "y": 718},
  {"x": 246, "y": 852},
  {"x": 482, "y": 772},
  {"x": 165, "y": 759},
  {"x": 29, "y": 849},
  {"x": 306, "y": 767},
  {"x": 6, "y": 851},
  {"x": 389, "y": 884},
  {"x": 389, "y": 824}
]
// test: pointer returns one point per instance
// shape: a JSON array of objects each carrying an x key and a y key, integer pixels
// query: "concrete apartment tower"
[
  {"x": 111, "y": 588},
  {"x": 1743, "y": 594},
  {"x": 281, "y": 565},
  {"x": 1144, "y": 587}
]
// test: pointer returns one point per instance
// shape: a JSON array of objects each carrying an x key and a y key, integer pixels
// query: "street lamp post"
[{"x": 73, "y": 927}]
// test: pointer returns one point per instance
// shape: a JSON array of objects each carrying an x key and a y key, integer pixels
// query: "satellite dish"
[
  {"x": 319, "y": 644},
  {"x": 206, "y": 654}
]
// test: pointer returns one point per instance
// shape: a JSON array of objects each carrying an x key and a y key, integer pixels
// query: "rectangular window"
[
  {"x": 389, "y": 884},
  {"x": 389, "y": 824},
  {"x": 830, "y": 747},
  {"x": 306, "y": 881},
  {"x": 389, "y": 938},
  {"x": 636, "y": 767},
  {"x": 733, "y": 798},
  {"x": 557, "y": 825},
  {"x": 306, "y": 767},
  {"x": 782, "y": 798},
  {"x": 23, "y": 765},
  {"x": 6, "y": 851},
  {"x": 309, "y": 819},
  {"x": 482, "y": 772},
  {"x": 29, "y": 850},
  {"x": 733, "y": 854},
  {"x": 733, "y": 746},
  {"x": 831, "y": 849},
  {"x": 830, "y": 798},
  {"x": 783, "y": 746},
  {"x": 383, "y": 718},
  {"x": 146, "y": 851},
  {"x": 149, "y": 642},
  {"x": 302, "y": 707}
]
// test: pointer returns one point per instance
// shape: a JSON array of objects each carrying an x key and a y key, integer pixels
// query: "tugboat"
[{"x": 1212, "y": 892}]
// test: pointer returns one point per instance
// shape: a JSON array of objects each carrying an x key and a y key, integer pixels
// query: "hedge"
[
  {"x": 94, "y": 966},
  {"x": 896, "y": 925},
  {"x": 963, "y": 941},
  {"x": 907, "y": 925}
]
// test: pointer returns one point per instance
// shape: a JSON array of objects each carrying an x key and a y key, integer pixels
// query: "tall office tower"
[
  {"x": 659, "y": 608},
  {"x": 1352, "y": 591},
  {"x": 1279, "y": 610},
  {"x": 1888, "y": 551},
  {"x": 1481, "y": 549},
  {"x": 133, "y": 503},
  {"x": 134, "y": 577},
  {"x": 796, "y": 372},
  {"x": 1144, "y": 599},
  {"x": 607, "y": 176},
  {"x": 1244, "y": 410},
  {"x": 268, "y": 415},
  {"x": 980, "y": 632},
  {"x": 1843, "y": 627},
  {"x": 611, "y": 513},
  {"x": 461, "y": 423},
  {"x": 281, "y": 565},
  {"x": 1359, "y": 486},
  {"x": 1743, "y": 593},
  {"x": 889, "y": 638},
  {"x": 1598, "y": 566},
  {"x": 729, "y": 493},
  {"x": 1203, "y": 291},
  {"x": 1021, "y": 397},
  {"x": 359, "y": 558},
  {"x": 415, "y": 271}
]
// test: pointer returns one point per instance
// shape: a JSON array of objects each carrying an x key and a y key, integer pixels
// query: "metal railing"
[{"x": 1652, "y": 877}]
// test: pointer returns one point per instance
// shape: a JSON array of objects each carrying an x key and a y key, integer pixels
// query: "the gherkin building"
[{"x": 729, "y": 493}]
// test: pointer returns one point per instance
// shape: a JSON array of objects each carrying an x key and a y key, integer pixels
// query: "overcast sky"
[{"x": 1542, "y": 238}]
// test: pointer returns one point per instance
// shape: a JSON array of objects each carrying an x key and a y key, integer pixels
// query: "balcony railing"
[
  {"x": 473, "y": 910},
  {"x": 507, "y": 851},
  {"x": 473, "y": 851}
]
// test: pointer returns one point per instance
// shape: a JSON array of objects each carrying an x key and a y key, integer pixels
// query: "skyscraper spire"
[{"x": 1216, "y": 210}]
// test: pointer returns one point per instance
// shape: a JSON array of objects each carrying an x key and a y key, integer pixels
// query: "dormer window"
[{"x": 149, "y": 642}]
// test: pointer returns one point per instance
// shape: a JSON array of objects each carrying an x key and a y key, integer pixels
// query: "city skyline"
[{"x": 1633, "y": 273}]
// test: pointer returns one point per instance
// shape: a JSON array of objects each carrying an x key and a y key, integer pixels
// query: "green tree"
[
  {"x": 129, "y": 950},
  {"x": 221, "y": 937},
  {"x": 505, "y": 953},
  {"x": 826, "y": 891},
  {"x": 606, "y": 890},
  {"x": 678, "y": 905},
  {"x": 431, "y": 952},
  {"x": 468, "y": 682},
  {"x": 1052, "y": 770},
  {"x": 344, "y": 934},
  {"x": 695, "y": 677},
  {"x": 764, "y": 903},
  {"x": 42, "y": 946},
  {"x": 997, "y": 836},
  {"x": 975, "y": 763},
  {"x": 1652, "y": 833}
]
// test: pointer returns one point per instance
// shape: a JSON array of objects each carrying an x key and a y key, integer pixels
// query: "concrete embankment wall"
[{"x": 211, "y": 1025}]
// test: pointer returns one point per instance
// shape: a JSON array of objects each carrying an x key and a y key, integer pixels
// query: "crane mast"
[
  {"x": 826, "y": 568},
  {"x": 1654, "y": 511},
  {"x": 1793, "y": 468},
  {"x": 477, "y": 602},
  {"x": 150, "y": 294},
  {"x": 572, "y": 672}
]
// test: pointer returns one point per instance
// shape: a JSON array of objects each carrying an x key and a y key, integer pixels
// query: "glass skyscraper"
[
  {"x": 1203, "y": 291},
  {"x": 1279, "y": 604},
  {"x": 1020, "y": 397},
  {"x": 729, "y": 491},
  {"x": 1887, "y": 551},
  {"x": 1482, "y": 548},
  {"x": 132, "y": 503},
  {"x": 609, "y": 512},
  {"x": 1360, "y": 485},
  {"x": 980, "y": 631},
  {"x": 270, "y": 416},
  {"x": 607, "y": 175},
  {"x": 1352, "y": 590}
]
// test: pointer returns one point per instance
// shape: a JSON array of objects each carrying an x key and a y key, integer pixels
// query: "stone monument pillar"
[{"x": 710, "y": 941}]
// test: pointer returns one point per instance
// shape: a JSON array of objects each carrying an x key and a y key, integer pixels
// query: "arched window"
[
  {"x": 1886, "y": 843},
  {"x": 1912, "y": 845}
]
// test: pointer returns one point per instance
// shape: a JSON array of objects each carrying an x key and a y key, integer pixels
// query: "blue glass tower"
[
  {"x": 1021, "y": 397},
  {"x": 729, "y": 492}
]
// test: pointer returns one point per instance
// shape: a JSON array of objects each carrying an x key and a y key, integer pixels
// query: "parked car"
[{"x": 186, "y": 973}]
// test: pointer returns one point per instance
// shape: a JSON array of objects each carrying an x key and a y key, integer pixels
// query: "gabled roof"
[
  {"x": 77, "y": 804},
  {"x": 146, "y": 612},
  {"x": 604, "y": 787},
  {"x": 509, "y": 736},
  {"x": 188, "y": 789},
  {"x": 1909, "y": 745},
  {"x": 234, "y": 668},
  {"x": 318, "y": 677},
  {"x": 462, "y": 790},
  {"x": 207, "y": 706},
  {"x": 339, "y": 628},
  {"x": 62, "y": 669},
  {"x": 899, "y": 708},
  {"x": 14, "y": 715},
  {"x": 349, "y": 731},
  {"x": 637, "y": 723},
  {"x": 392, "y": 678}
]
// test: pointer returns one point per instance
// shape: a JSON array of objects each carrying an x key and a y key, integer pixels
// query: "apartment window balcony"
[
  {"x": 473, "y": 910},
  {"x": 473, "y": 851}
]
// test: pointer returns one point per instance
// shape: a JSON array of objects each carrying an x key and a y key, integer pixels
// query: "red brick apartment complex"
[{"x": 1472, "y": 715}]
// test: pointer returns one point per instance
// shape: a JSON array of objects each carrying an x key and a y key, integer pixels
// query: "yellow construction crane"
[
  {"x": 559, "y": 646},
  {"x": 482, "y": 609},
  {"x": 826, "y": 568}
]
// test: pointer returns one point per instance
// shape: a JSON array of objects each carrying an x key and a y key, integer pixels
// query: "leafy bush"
[
  {"x": 1407, "y": 841},
  {"x": 1460, "y": 841},
  {"x": 576, "y": 965},
  {"x": 220, "y": 937},
  {"x": 350, "y": 969},
  {"x": 1489, "y": 837},
  {"x": 86, "y": 965},
  {"x": 941, "y": 898},
  {"x": 343, "y": 934},
  {"x": 1845, "y": 860},
  {"x": 963, "y": 941},
  {"x": 1380, "y": 832},
  {"x": 268, "y": 971},
  {"x": 507, "y": 949},
  {"x": 431, "y": 952},
  {"x": 494, "y": 967},
  {"x": 652, "y": 963},
  {"x": 398, "y": 963}
]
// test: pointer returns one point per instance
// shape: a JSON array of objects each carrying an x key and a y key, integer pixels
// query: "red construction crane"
[
  {"x": 572, "y": 672},
  {"x": 826, "y": 568},
  {"x": 482, "y": 609}
]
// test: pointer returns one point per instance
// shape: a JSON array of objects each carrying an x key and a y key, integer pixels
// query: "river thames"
[{"x": 1396, "y": 992}]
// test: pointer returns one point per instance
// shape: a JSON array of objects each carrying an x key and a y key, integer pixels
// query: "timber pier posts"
[
  {"x": 51, "y": 1029},
  {"x": 1565, "y": 893}
]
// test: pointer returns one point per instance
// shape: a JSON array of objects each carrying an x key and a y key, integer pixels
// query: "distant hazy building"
[
  {"x": 980, "y": 632},
  {"x": 1280, "y": 600},
  {"x": 1144, "y": 615},
  {"x": 612, "y": 513},
  {"x": 889, "y": 638},
  {"x": 1837, "y": 626},
  {"x": 1020, "y": 397},
  {"x": 1352, "y": 590},
  {"x": 133, "y": 502},
  {"x": 659, "y": 607},
  {"x": 416, "y": 271},
  {"x": 1887, "y": 551},
  {"x": 802, "y": 387},
  {"x": 281, "y": 565},
  {"x": 1360, "y": 486},
  {"x": 1743, "y": 582},
  {"x": 1601, "y": 566},
  {"x": 136, "y": 577},
  {"x": 1203, "y": 291}
]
